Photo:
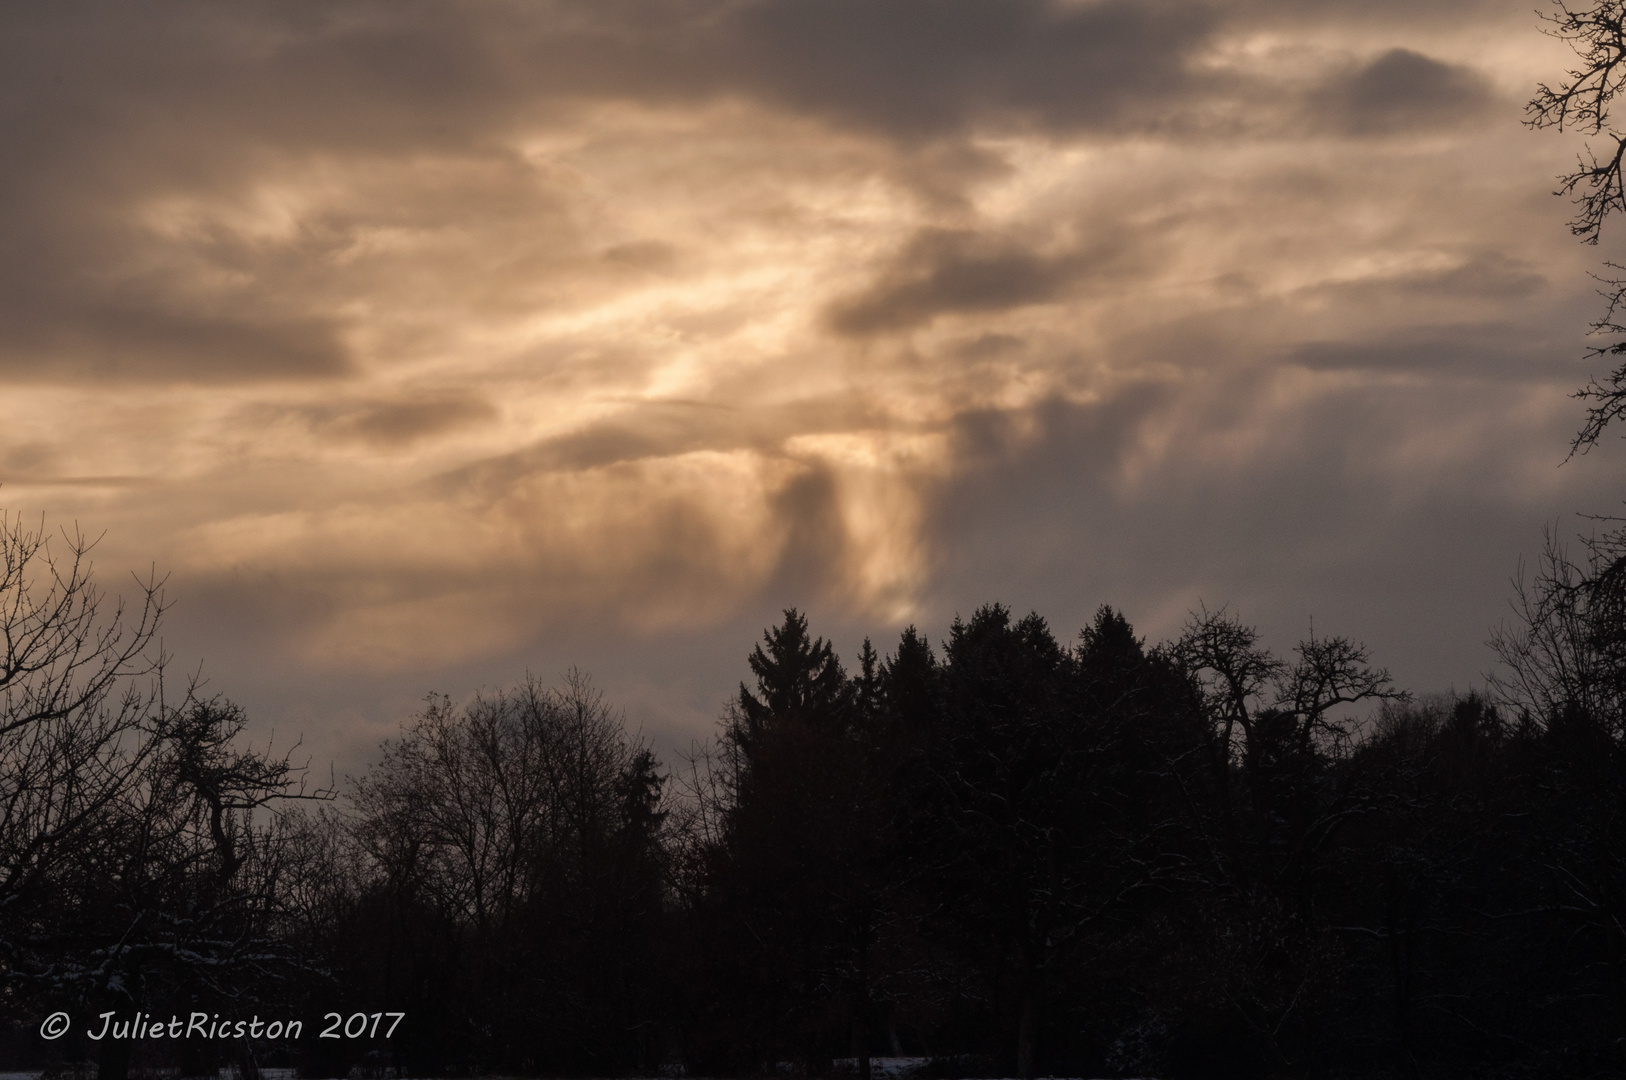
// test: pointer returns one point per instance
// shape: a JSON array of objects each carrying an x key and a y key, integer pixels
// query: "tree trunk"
[
  {"x": 862, "y": 1008},
  {"x": 1400, "y": 960},
  {"x": 113, "y": 1062},
  {"x": 1617, "y": 979},
  {"x": 247, "y": 1067},
  {"x": 1027, "y": 1037}
]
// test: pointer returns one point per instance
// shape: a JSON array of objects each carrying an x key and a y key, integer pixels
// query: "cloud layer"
[{"x": 421, "y": 341}]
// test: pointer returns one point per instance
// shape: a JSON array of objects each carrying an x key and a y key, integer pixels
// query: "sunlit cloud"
[{"x": 413, "y": 334}]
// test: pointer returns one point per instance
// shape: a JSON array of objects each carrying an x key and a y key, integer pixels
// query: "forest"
[{"x": 999, "y": 851}]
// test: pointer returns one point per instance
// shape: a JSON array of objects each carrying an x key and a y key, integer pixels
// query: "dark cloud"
[
  {"x": 1385, "y": 14},
  {"x": 1488, "y": 276},
  {"x": 609, "y": 444},
  {"x": 662, "y": 429},
  {"x": 1400, "y": 91},
  {"x": 1041, "y": 473},
  {"x": 397, "y": 423},
  {"x": 114, "y": 107},
  {"x": 1479, "y": 350},
  {"x": 817, "y": 553},
  {"x": 1324, "y": 516},
  {"x": 926, "y": 67},
  {"x": 945, "y": 271},
  {"x": 657, "y": 429},
  {"x": 1096, "y": 438},
  {"x": 650, "y": 255},
  {"x": 989, "y": 346},
  {"x": 109, "y": 104},
  {"x": 109, "y": 111},
  {"x": 370, "y": 76},
  {"x": 226, "y": 117},
  {"x": 106, "y": 342}
]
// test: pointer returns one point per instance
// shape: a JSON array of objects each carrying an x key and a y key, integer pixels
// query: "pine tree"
[{"x": 800, "y": 682}]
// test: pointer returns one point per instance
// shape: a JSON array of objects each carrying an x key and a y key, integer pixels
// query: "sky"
[{"x": 425, "y": 345}]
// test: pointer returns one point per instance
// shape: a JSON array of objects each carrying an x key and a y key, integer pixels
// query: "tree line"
[{"x": 1001, "y": 852}]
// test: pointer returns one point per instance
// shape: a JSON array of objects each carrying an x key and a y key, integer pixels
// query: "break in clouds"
[{"x": 410, "y": 336}]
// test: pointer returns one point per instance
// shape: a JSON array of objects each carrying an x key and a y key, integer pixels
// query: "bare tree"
[
  {"x": 1564, "y": 673},
  {"x": 1241, "y": 681},
  {"x": 1264, "y": 945},
  {"x": 1329, "y": 672},
  {"x": 470, "y": 798},
  {"x": 177, "y": 897},
  {"x": 139, "y": 855},
  {"x": 80, "y": 711},
  {"x": 1582, "y": 101},
  {"x": 1233, "y": 672},
  {"x": 1556, "y": 654},
  {"x": 525, "y": 828}
]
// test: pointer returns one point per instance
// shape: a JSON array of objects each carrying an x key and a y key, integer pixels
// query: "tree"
[
  {"x": 140, "y": 860},
  {"x": 1232, "y": 671},
  {"x": 794, "y": 894},
  {"x": 1583, "y": 101},
  {"x": 79, "y": 703},
  {"x": 911, "y": 686},
  {"x": 1035, "y": 818},
  {"x": 1565, "y": 653},
  {"x": 1283, "y": 800},
  {"x": 799, "y": 682},
  {"x": 81, "y": 718},
  {"x": 1564, "y": 674},
  {"x": 176, "y": 904},
  {"x": 514, "y": 883}
]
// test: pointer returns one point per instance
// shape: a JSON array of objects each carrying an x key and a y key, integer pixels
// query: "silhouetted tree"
[
  {"x": 1564, "y": 674},
  {"x": 800, "y": 683},
  {"x": 80, "y": 717},
  {"x": 514, "y": 854},
  {"x": 1034, "y": 819},
  {"x": 1583, "y": 101},
  {"x": 1274, "y": 743},
  {"x": 139, "y": 860},
  {"x": 795, "y": 892}
]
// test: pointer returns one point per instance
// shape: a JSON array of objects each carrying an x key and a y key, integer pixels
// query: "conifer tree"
[{"x": 799, "y": 682}]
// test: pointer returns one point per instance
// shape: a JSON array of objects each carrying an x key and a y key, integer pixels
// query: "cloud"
[
  {"x": 942, "y": 272},
  {"x": 389, "y": 423},
  {"x": 1400, "y": 91},
  {"x": 256, "y": 194},
  {"x": 925, "y": 68},
  {"x": 132, "y": 343},
  {"x": 435, "y": 331},
  {"x": 1478, "y": 352},
  {"x": 218, "y": 194}
]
